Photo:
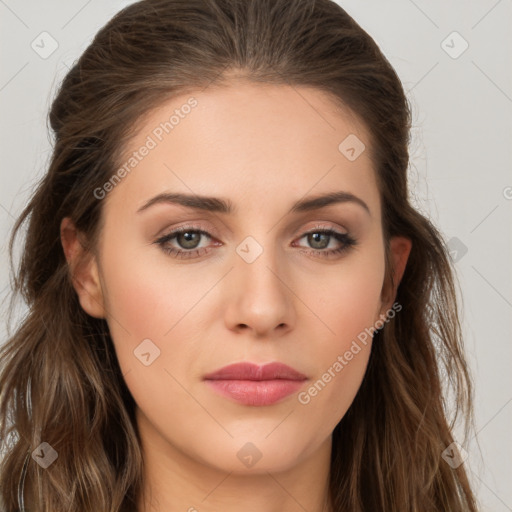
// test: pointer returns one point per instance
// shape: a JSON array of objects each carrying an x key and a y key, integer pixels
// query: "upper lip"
[{"x": 252, "y": 371}]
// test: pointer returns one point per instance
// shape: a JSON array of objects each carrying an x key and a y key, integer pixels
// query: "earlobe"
[
  {"x": 400, "y": 248},
  {"x": 83, "y": 270}
]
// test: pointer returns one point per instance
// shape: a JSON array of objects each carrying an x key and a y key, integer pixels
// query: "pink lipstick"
[{"x": 250, "y": 384}]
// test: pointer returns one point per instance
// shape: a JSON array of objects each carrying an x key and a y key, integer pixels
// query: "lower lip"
[{"x": 256, "y": 392}]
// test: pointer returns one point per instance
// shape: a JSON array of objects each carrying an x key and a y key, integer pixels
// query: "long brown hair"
[{"x": 60, "y": 382}]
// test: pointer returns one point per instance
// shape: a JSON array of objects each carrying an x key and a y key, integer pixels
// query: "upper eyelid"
[
  {"x": 211, "y": 233},
  {"x": 194, "y": 227}
]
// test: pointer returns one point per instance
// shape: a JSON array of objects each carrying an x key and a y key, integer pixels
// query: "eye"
[
  {"x": 189, "y": 238},
  {"x": 320, "y": 239}
]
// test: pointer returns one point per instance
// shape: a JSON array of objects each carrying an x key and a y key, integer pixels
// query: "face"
[{"x": 263, "y": 281}]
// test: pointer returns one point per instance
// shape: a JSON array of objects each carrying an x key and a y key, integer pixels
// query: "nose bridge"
[
  {"x": 261, "y": 299},
  {"x": 258, "y": 263}
]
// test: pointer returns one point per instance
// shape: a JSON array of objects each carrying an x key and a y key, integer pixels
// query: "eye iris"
[
  {"x": 314, "y": 238},
  {"x": 188, "y": 237}
]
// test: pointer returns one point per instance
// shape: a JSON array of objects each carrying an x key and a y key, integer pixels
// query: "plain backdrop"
[{"x": 454, "y": 59}]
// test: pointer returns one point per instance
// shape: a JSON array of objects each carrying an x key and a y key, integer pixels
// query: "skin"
[{"x": 263, "y": 147}]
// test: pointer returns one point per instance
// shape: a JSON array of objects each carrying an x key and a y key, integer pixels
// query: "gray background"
[{"x": 459, "y": 174}]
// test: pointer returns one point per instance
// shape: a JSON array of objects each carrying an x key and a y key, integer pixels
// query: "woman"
[{"x": 231, "y": 300}]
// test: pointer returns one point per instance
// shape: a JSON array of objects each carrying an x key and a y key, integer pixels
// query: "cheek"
[
  {"x": 148, "y": 316},
  {"x": 146, "y": 299},
  {"x": 350, "y": 299},
  {"x": 349, "y": 306},
  {"x": 140, "y": 306},
  {"x": 340, "y": 360}
]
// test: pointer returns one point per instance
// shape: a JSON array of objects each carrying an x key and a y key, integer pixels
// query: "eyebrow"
[{"x": 220, "y": 205}]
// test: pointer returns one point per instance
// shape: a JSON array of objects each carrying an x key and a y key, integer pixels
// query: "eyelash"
[{"x": 347, "y": 241}]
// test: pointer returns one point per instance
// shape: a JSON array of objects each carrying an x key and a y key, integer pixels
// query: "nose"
[{"x": 259, "y": 296}]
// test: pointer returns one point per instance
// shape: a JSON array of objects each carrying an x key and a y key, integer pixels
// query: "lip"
[{"x": 251, "y": 384}]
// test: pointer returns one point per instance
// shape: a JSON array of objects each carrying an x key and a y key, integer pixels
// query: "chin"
[{"x": 250, "y": 455}]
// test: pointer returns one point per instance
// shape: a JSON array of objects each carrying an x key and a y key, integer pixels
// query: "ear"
[
  {"x": 400, "y": 248},
  {"x": 83, "y": 270}
]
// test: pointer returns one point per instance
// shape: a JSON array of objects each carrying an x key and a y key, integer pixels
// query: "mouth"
[{"x": 250, "y": 384}]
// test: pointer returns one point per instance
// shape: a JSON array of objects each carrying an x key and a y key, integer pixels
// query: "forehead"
[{"x": 255, "y": 143}]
